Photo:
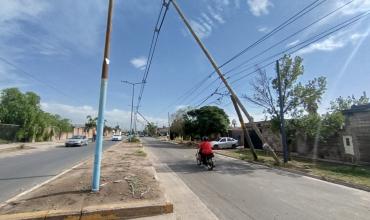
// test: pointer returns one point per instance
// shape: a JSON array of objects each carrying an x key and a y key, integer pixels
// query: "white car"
[
  {"x": 117, "y": 137},
  {"x": 225, "y": 142},
  {"x": 77, "y": 140}
]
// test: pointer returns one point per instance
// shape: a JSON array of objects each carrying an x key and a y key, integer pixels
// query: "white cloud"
[
  {"x": 139, "y": 62},
  {"x": 357, "y": 36},
  {"x": 356, "y": 6},
  {"x": 203, "y": 30},
  {"x": 178, "y": 107},
  {"x": 293, "y": 43},
  {"x": 263, "y": 29},
  {"x": 210, "y": 18},
  {"x": 30, "y": 29},
  {"x": 335, "y": 42},
  {"x": 77, "y": 114},
  {"x": 259, "y": 7},
  {"x": 329, "y": 44}
]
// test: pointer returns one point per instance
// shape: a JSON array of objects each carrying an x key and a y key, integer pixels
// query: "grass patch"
[
  {"x": 135, "y": 140},
  {"x": 2, "y": 141},
  {"x": 354, "y": 174},
  {"x": 140, "y": 153}
]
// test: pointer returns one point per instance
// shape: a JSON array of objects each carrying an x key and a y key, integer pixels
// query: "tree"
[
  {"x": 177, "y": 122},
  {"x": 206, "y": 121},
  {"x": 90, "y": 123},
  {"x": 151, "y": 129},
  {"x": 341, "y": 103},
  {"x": 24, "y": 109},
  {"x": 296, "y": 97}
]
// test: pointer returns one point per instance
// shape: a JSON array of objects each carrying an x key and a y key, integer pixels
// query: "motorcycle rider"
[{"x": 205, "y": 149}]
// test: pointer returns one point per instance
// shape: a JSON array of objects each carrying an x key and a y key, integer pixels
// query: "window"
[
  {"x": 348, "y": 145},
  {"x": 222, "y": 140},
  {"x": 348, "y": 142},
  {"x": 230, "y": 139}
]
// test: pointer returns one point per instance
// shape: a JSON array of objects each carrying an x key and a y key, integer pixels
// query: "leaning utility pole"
[
  {"x": 246, "y": 136},
  {"x": 102, "y": 101},
  {"x": 218, "y": 71},
  {"x": 282, "y": 120}
]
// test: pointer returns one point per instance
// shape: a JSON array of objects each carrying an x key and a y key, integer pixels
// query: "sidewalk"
[
  {"x": 187, "y": 204},
  {"x": 128, "y": 189}
]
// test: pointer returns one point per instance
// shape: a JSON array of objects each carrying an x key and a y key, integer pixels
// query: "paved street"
[
  {"x": 239, "y": 190},
  {"x": 21, "y": 172}
]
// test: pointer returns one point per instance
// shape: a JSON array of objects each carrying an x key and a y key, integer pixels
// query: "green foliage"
[
  {"x": 314, "y": 126},
  {"x": 297, "y": 97},
  {"x": 341, "y": 103},
  {"x": 207, "y": 120},
  {"x": 178, "y": 123},
  {"x": 24, "y": 109},
  {"x": 91, "y": 123},
  {"x": 150, "y": 129}
]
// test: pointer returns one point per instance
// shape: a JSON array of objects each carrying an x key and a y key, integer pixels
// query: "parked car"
[
  {"x": 225, "y": 142},
  {"x": 77, "y": 140},
  {"x": 117, "y": 137}
]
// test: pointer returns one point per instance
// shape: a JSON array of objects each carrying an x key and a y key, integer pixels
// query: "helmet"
[{"x": 204, "y": 138}]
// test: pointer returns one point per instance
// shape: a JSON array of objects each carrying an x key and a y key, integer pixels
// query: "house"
[
  {"x": 356, "y": 135},
  {"x": 163, "y": 131}
]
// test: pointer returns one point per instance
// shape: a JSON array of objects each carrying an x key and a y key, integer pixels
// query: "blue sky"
[{"x": 60, "y": 43}]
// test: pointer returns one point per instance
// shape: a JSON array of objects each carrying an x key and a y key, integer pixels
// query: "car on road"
[
  {"x": 224, "y": 142},
  {"x": 77, "y": 140},
  {"x": 117, "y": 137}
]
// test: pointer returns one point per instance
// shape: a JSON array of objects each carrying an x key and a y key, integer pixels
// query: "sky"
[{"x": 55, "y": 48}]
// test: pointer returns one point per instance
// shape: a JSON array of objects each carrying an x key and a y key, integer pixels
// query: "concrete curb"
[
  {"x": 111, "y": 212},
  {"x": 335, "y": 181}
]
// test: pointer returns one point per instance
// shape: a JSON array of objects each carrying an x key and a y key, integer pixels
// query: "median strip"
[{"x": 128, "y": 190}]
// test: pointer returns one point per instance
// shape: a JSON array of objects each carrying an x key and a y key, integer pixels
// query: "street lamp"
[{"x": 132, "y": 99}]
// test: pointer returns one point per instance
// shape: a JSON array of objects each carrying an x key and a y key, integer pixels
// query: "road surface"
[
  {"x": 21, "y": 172},
  {"x": 239, "y": 190}
]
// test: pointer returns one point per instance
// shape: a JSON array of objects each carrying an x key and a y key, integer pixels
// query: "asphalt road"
[
  {"x": 22, "y": 172},
  {"x": 239, "y": 190}
]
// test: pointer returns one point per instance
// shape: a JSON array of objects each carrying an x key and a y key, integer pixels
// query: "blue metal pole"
[
  {"x": 102, "y": 101},
  {"x": 99, "y": 136}
]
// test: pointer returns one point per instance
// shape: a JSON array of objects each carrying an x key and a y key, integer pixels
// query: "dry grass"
[{"x": 354, "y": 174}]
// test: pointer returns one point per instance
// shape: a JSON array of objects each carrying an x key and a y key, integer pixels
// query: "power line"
[
  {"x": 276, "y": 44},
  {"x": 295, "y": 17},
  {"x": 307, "y": 42},
  {"x": 153, "y": 45},
  {"x": 316, "y": 38},
  {"x": 287, "y": 22},
  {"x": 30, "y": 75},
  {"x": 290, "y": 36}
]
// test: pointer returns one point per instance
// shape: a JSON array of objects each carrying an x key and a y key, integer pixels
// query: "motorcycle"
[{"x": 207, "y": 162}]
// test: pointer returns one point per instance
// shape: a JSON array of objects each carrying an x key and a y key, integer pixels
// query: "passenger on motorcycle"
[{"x": 205, "y": 149}]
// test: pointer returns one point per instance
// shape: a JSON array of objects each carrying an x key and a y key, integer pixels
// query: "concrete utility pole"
[
  {"x": 218, "y": 71},
  {"x": 102, "y": 101},
  {"x": 282, "y": 120},
  {"x": 132, "y": 102},
  {"x": 246, "y": 136}
]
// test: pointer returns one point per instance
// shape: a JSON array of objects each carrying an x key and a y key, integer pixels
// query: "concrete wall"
[
  {"x": 358, "y": 126},
  {"x": 265, "y": 128}
]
